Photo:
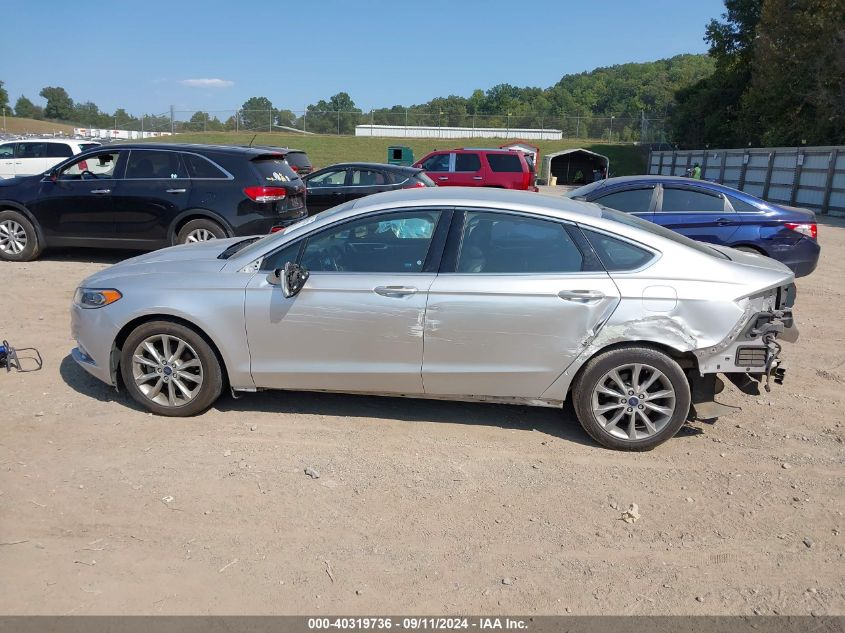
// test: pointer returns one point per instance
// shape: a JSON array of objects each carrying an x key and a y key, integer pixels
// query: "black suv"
[
  {"x": 145, "y": 196},
  {"x": 296, "y": 158}
]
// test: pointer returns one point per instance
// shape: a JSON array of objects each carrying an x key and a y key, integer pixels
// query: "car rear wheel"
[
  {"x": 631, "y": 398},
  {"x": 18, "y": 239},
  {"x": 170, "y": 369},
  {"x": 200, "y": 231}
]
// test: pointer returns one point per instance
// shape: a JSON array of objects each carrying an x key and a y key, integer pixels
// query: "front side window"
[
  {"x": 151, "y": 164},
  {"x": 389, "y": 243},
  {"x": 7, "y": 151},
  {"x": 367, "y": 177},
  {"x": 504, "y": 163},
  {"x": 630, "y": 201},
  {"x": 689, "y": 201},
  {"x": 329, "y": 179},
  {"x": 438, "y": 162},
  {"x": 504, "y": 243},
  {"x": 92, "y": 166},
  {"x": 467, "y": 162}
]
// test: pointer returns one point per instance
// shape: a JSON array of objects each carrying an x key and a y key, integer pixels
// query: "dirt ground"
[{"x": 420, "y": 506}]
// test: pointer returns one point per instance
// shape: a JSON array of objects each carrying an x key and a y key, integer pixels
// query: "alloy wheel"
[
  {"x": 199, "y": 235},
  {"x": 633, "y": 401},
  {"x": 13, "y": 238},
  {"x": 167, "y": 370}
]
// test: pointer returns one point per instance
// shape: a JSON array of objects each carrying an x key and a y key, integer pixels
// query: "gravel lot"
[{"x": 420, "y": 506}]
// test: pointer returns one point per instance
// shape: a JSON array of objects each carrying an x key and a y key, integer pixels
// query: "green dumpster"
[{"x": 400, "y": 155}]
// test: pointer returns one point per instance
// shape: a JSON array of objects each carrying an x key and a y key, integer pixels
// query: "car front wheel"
[
  {"x": 631, "y": 398},
  {"x": 170, "y": 369},
  {"x": 18, "y": 239}
]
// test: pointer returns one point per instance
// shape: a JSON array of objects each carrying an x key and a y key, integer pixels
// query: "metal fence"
[
  {"x": 812, "y": 177},
  {"x": 611, "y": 129}
]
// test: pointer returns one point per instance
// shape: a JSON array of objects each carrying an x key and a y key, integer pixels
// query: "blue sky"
[{"x": 145, "y": 56}]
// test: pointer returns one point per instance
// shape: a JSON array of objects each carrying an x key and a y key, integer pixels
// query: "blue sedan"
[{"x": 710, "y": 212}]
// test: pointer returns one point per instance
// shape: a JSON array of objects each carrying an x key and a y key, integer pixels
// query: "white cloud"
[{"x": 207, "y": 83}]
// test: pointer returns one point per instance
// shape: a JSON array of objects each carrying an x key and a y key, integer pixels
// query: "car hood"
[
  {"x": 188, "y": 258},
  {"x": 17, "y": 180}
]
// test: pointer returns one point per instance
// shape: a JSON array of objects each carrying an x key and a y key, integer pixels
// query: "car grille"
[{"x": 751, "y": 357}]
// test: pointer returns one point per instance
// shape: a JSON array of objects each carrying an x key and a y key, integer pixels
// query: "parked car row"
[{"x": 146, "y": 196}]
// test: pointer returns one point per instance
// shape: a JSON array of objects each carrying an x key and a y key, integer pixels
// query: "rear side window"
[
  {"x": 690, "y": 201},
  {"x": 741, "y": 206},
  {"x": 298, "y": 160},
  {"x": 199, "y": 167},
  {"x": 7, "y": 150},
  {"x": 467, "y": 162},
  {"x": 504, "y": 163},
  {"x": 58, "y": 150},
  {"x": 367, "y": 178},
  {"x": 630, "y": 201},
  {"x": 530, "y": 162},
  {"x": 274, "y": 170},
  {"x": 503, "y": 243},
  {"x": 617, "y": 255},
  {"x": 152, "y": 164}
]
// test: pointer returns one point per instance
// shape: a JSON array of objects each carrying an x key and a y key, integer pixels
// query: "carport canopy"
[{"x": 576, "y": 166}]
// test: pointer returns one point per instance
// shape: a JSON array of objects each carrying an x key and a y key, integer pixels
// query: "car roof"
[
  {"x": 386, "y": 166},
  {"x": 48, "y": 140},
  {"x": 482, "y": 197},
  {"x": 655, "y": 179},
  {"x": 194, "y": 147}
]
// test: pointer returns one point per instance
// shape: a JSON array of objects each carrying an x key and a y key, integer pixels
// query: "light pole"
[
  {"x": 439, "y": 124},
  {"x": 611, "y": 129},
  {"x": 4, "y": 119},
  {"x": 508, "y": 133}
]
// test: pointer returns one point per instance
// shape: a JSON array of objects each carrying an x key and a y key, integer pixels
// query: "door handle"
[
  {"x": 395, "y": 291},
  {"x": 725, "y": 221},
  {"x": 477, "y": 178},
  {"x": 100, "y": 192},
  {"x": 584, "y": 296},
  {"x": 443, "y": 178},
  {"x": 176, "y": 190}
]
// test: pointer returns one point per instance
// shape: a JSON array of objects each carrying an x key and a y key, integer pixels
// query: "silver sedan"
[{"x": 460, "y": 294}]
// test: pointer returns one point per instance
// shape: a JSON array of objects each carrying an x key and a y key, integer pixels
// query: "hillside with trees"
[{"x": 779, "y": 80}]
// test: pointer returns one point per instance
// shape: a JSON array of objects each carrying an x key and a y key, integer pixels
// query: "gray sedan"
[{"x": 460, "y": 294}]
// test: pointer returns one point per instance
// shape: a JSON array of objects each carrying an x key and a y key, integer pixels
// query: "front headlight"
[{"x": 95, "y": 297}]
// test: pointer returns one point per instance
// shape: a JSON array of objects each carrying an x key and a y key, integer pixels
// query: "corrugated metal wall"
[{"x": 812, "y": 177}]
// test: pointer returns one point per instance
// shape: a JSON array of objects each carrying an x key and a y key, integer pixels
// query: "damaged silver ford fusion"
[{"x": 449, "y": 293}]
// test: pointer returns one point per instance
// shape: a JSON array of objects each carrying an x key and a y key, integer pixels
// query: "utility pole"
[
  {"x": 338, "y": 122},
  {"x": 610, "y": 140},
  {"x": 4, "y": 119},
  {"x": 172, "y": 115}
]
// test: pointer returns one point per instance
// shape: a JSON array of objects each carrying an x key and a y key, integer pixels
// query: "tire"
[
  {"x": 200, "y": 231},
  {"x": 166, "y": 386},
  {"x": 607, "y": 420},
  {"x": 18, "y": 238}
]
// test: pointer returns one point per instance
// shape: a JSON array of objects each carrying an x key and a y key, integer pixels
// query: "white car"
[{"x": 35, "y": 156}]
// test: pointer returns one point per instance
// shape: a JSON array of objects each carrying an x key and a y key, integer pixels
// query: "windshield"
[
  {"x": 632, "y": 220},
  {"x": 257, "y": 248}
]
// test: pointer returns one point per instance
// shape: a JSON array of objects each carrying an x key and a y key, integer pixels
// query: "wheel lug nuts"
[
  {"x": 629, "y": 409},
  {"x": 642, "y": 407},
  {"x": 622, "y": 400},
  {"x": 642, "y": 396},
  {"x": 630, "y": 393}
]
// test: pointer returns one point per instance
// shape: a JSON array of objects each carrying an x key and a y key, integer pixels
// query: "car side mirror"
[{"x": 292, "y": 278}]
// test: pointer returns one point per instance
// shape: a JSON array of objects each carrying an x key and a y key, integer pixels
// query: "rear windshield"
[
  {"x": 298, "y": 159},
  {"x": 274, "y": 169},
  {"x": 504, "y": 163},
  {"x": 583, "y": 192},
  {"x": 632, "y": 220}
]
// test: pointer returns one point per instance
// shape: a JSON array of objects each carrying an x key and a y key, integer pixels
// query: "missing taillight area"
[
  {"x": 810, "y": 229},
  {"x": 266, "y": 194}
]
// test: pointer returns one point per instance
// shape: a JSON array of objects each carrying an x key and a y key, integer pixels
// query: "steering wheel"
[{"x": 89, "y": 173}]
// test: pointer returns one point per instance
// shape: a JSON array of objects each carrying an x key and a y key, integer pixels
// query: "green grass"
[
  {"x": 327, "y": 150},
  {"x": 15, "y": 125}
]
